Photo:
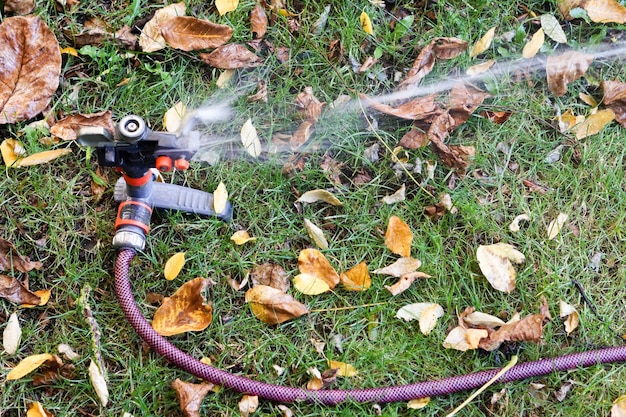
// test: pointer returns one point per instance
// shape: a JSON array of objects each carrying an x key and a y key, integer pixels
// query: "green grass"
[{"x": 54, "y": 202}]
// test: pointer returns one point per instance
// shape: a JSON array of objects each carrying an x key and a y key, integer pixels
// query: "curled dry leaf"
[
  {"x": 67, "y": 351},
  {"x": 618, "y": 409},
  {"x": 398, "y": 196},
  {"x": 514, "y": 226},
  {"x": 357, "y": 278},
  {"x": 400, "y": 267},
  {"x": 11, "y": 259},
  {"x": 405, "y": 282},
  {"x": 316, "y": 234},
  {"x": 248, "y": 405},
  {"x": 174, "y": 265},
  {"x": 426, "y": 313},
  {"x": 273, "y": 306},
  {"x": 68, "y": 127},
  {"x": 19, "y": 6},
  {"x": 11, "y": 335},
  {"x": 309, "y": 106},
  {"x": 495, "y": 263},
  {"x": 343, "y": 369},
  {"x": 190, "y": 396},
  {"x": 461, "y": 338},
  {"x": 14, "y": 291},
  {"x": 44, "y": 296},
  {"x": 480, "y": 68},
  {"x": 151, "y": 39},
  {"x": 258, "y": 21},
  {"x": 314, "y": 196},
  {"x": 30, "y": 64},
  {"x": 231, "y": 56},
  {"x": 565, "y": 68},
  {"x": 419, "y": 108},
  {"x": 483, "y": 43},
  {"x": 272, "y": 275},
  {"x": 477, "y": 318},
  {"x": 96, "y": 32},
  {"x": 302, "y": 134},
  {"x": 186, "y": 310},
  {"x": 99, "y": 383},
  {"x": 191, "y": 34},
  {"x": 240, "y": 237},
  {"x": 571, "y": 316},
  {"x": 28, "y": 365},
  {"x": 555, "y": 226},
  {"x": 615, "y": 99},
  {"x": 312, "y": 261},
  {"x": 398, "y": 237}
]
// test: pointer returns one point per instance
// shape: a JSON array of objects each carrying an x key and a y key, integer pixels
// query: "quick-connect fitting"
[{"x": 132, "y": 225}]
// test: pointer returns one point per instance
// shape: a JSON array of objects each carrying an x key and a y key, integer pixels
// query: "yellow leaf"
[
  {"x": 174, "y": 265},
  {"x": 366, "y": 23},
  {"x": 27, "y": 365},
  {"x": 594, "y": 123},
  {"x": 555, "y": 226},
  {"x": 225, "y": 6},
  {"x": 68, "y": 50},
  {"x": 398, "y": 237},
  {"x": 464, "y": 339},
  {"x": 272, "y": 306},
  {"x": 250, "y": 139},
  {"x": 220, "y": 198},
  {"x": 186, "y": 310},
  {"x": 480, "y": 68},
  {"x": 533, "y": 46},
  {"x": 357, "y": 278},
  {"x": 240, "y": 237},
  {"x": 313, "y": 262},
  {"x": 605, "y": 11},
  {"x": 418, "y": 403},
  {"x": 310, "y": 284},
  {"x": 225, "y": 77},
  {"x": 571, "y": 316},
  {"x": 41, "y": 157},
  {"x": 11, "y": 150},
  {"x": 37, "y": 410},
  {"x": 495, "y": 264},
  {"x": 314, "y": 196},
  {"x": 482, "y": 319},
  {"x": 173, "y": 118},
  {"x": 316, "y": 234},
  {"x": 343, "y": 369},
  {"x": 483, "y": 43}
]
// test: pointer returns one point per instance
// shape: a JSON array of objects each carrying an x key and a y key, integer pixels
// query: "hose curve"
[{"x": 388, "y": 394}]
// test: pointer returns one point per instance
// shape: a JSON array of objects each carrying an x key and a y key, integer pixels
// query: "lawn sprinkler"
[{"x": 136, "y": 152}]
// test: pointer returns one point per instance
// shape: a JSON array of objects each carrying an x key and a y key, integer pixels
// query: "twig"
[
  {"x": 323, "y": 310},
  {"x": 580, "y": 289}
]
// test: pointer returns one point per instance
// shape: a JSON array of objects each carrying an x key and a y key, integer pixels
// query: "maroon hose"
[{"x": 378, "y": 395}]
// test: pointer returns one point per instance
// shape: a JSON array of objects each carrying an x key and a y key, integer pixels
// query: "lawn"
[{"x": 54, "y": 213}]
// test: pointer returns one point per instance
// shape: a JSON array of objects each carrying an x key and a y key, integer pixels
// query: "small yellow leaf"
[
  {"x": 418, "y": 403},
  {"x": 68, "y": 50},
  {"x": 11, "y": 150},
  {"x": 41, "y": 157},
  {"x": 571, "y": 316},
  {"x": 310, "y": 284},
  {"x": 533, "y": 46},
  {"x": 594, "y": 123},
  {"x": 605, "y": 11},
  {"x": 27, "y": 365},
  {"x": 366, "y": 23},
  {"x": 483, "y": 43},
  {"x": 482, "y": 319},
  {"x": 495, "y": 264},
  {"x": 173, "y": 118},
  {"x": 44, "y": 296},
  {"x": 316, "y": 234},
  {"x": 312, "y": 261},
  {"x": 225, "y": 6},
  {"x": 587, "y": 99},
  {"x": 174, "y": 265},
  {"x": 555, "y": 226},
  {"x": 343, "y": 369},
  {"x": 398, "y": 237},
  {"x": 314, "y": 196},
  {"x": 37, "y": 410},
  {"x": 480, "y": 68},
  {"x": 220, "y": 198},
  {"x": 357, "y": 278},
  {"x": 428, "y": 318},
  {"x": 240, "y": 237},
  {"x": 225, "y": 77}
]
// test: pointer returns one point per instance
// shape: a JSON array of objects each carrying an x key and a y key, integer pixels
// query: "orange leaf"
[
  {"x": 273, "y": 306},
  {"x": 190, "y": 396},
  {"x": 398, "y": 237},
  {"x": 343, "y": 369},
  {"x": 190, "y": 33},
  {"x": 312, "y": 261},
  {"x": 594, "y": 123},
  {"x": 151, "y": 39},
  {"x": 184, "y": 311},
  {"x": 37, "y": 410},
  {"x": 605, "y": 11},
  {"x": 357, "y": 278},
  {"x": 483, "y": 43},
  {"x": 405, "y": 282},
  {"x": 240, "y": 237}
]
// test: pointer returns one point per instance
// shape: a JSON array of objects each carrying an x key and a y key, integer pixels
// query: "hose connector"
[{"x": 132, "y": 225}]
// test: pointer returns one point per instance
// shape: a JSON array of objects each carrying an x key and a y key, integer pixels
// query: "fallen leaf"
[
  {"x": 27, "y": 365},
  {"x": 30, "y": 64},
  {"x": 594, "y": 123},
  {"x": 316, "y": 234},
  {"x": 11, "y": 259},
  {"x": 225, "y": 77},
  {"x": 220, "y": 198},
  {"x": 415, "y": 138},
  {"x": 310, "y": 284},
  {"x": 285, "y": 410},
  {"x": 314, "y": 196},
  {"x": 44, "y": 296},
  {"x": 552, "y": 28},
  {"x": 405, "y": 282},
  {"x": 273, "y": 306},
  {"x": 272, "y": 275},
  {"x": 67, "y": 351},
  {"x": 190, "y": 396},
  {"x": 240, "y": 237},
  {"x": 555, "y": 226},
  {"x": 495, "y": 263},
  {"x": 618, "y": 409},
  {"x": 250, "y": 139},
  {"x": 398, "y": 196},
  {"x": 418, "y": 403},
  {"x": 68, "y": 127},
  {"x": 312, "y": 261},
  {"x": 498, "y": 117},
  {"x": 480, "y": 68},
  {"x": 261, "y": 93},
  {"x": 11, "y": 335},
  {"x": 477, "y": 318},
  {"x": 41, "y": 157},
  {"x": 191, "y": 34},
  {"x": 174, "y": 116},
  {"x": 19, "y": 6},
  {"x": 426, "y": 313},
  {"x": 615, "y": 99},
  {"x": 571, "y": 316},
  {"x": 605, "y": 11},
  {"x": 483, "y": 43},
  {"x": 514, "y": 226},
  {"x": 366, "y": 23},
  {"x": 258, "y": 21},
  {"x": 174, "y": 265},
  {"x": 398, "y": 237},
  {"x": 464, "y": 339},
  {"x": 309, "y": 105},
  {"x": 37, "y": 410},
  {"x": 400, "y": 267},
  {"x": 186, "y": 310},
  {"x": 561, "y": 394},
  {"x": 99, "y": 383},
  {"x": 14, "y": 291},
  {"x": 565, "y": 68},
  {"x": 343, "y": 369},
  {"x": 236, "y": 285},
  {"x": 225, "y": 6},
  {"x": 231, "y": 56},
  {"x": 357, "y": 278},
  {"x": 533, "y": 46},
  {"x": 151, "y": 39},
  {"x": 302, "y": 134}
]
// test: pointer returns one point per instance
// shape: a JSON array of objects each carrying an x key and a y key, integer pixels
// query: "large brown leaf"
[
  {"x": 30, "y": 66},
  {"x": 231, "y": 56},
  {"x": 19, "y": 6},
  {"x": 13, "y": 290},
  {"x": 190, "y": 33},
  {"x": 416, "y": 109},
  {"x": 68, "y": 127},
  {"x": 184, "y": 311},
  {"x": 190, "y": 396},
  {"x": 273, "y": 306},
  {"x": 258, "y": 21},
  {"x": 565, "y": 68},
  {"x": 615, "y": 99},
  {"x": 10, "y": 258}
]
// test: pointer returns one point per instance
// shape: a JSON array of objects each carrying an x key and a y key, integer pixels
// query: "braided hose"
[{"x": 330, "y": 397}]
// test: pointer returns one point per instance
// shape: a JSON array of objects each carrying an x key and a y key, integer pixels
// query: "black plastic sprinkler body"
[{"x": 136, "y": 151}]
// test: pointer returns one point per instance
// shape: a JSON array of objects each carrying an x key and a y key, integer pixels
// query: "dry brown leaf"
[
  {"x": 30, "y": 64},
  {"x": 272, "y": 275},
  {"x": 316, "y": 234},
  {"x": 398, "y": 237},
  {"x": 495, "y": 263},
  {"x": 309, "y": 106},
  {"x": 11, "y": 259},
  {"x": 44, "y": 296},
  {"x": 533, "y": 46},
  {"x": 186, "y": 310},
  {"x": 302, "y": 134},
  {"x": 151, "y": 39},
  {"x": 400, "y": 267},
  {"x": 97, "y": 32},
  {"x": 571, "y": 316},
  {"x": 27, "y": 365},
  {"x": 397, "y": 197},
  {"x": 605, "y": 11},
  {"x": 314, "y": 196},
  {"x": 258, "y": 21},
  {"x": 615, "y": 99},
  {"x": 419, "y": 108},
  {"x": 190, "y": 396},
  {"x": 240, "y": 237},
  {"x": 514, "y": 226},
  {"x": 343, "y": 369},
  {"x": 174, "y": 265},
  {"x": 19, "y": 6},
  {"x": 405, "y": 282},
  {"x": 483, "y": 43},
  {"x": 231, "y": 56},
  {"x": 261, "y": 93},
  {"x": 594, "y": 123},
  {"x": 415, "y": 138},
  {"x": 14, "y": 291},
  {"x": 565, "y": 68},
  {"x": 191, "y": 34},
  {"x": 68, "y": 127},
  {"x": 312, "y": 261},
  {"x": 273, "y": 306},
  {"x": 357, "y": 278},
  {"x": 37, "y": 410}
]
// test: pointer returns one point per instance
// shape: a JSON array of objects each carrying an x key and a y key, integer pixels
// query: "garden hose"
[{"x": 386, "y": 394}]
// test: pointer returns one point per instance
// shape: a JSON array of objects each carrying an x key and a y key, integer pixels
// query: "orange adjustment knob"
[
  {"x": 181, "y": 164},
  {"x": 164, "y": 163}
]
